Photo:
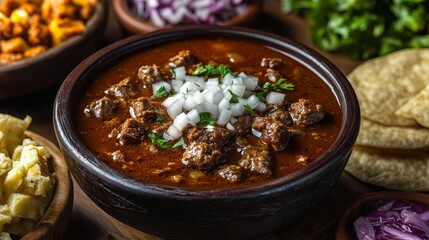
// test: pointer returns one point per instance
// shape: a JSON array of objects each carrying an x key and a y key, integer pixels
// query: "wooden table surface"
[{"x": 88, "y": 221}]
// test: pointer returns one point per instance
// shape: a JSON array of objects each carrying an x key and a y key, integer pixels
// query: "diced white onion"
[
  {"x": 212, "y": 81},
  {"x": 256, "y": 133},
  {"x": 189, "y": 87},
  {"x": 227, "y": 80},
  {"x": 157, "y": 85},
  {"x": 174, "y": 109},
  {"x": 223, "y": 104},
  {"x": 253, "y": 101},
  {"x": 193, "y": 116},
  {"x": 180, "y": 73},
  {"x": 176, "y": 84},
  {"x": 238, "y": 89},
  {"x": 237, "y": 109},
  {"x": 230, "y": 127},
  {"x": 237, "y": 81},
  {"x": 173, "y": 132},
  {"x": 261, "y": 107},
  {"x": 189, "y": 103},
  {"x": 181, "y": 121},
  {"x": 233, "y": 120},
  {"x": 198, "y": 97},
  {"x": 275, "y": 97},
  {"x": 224, "y": 117}
]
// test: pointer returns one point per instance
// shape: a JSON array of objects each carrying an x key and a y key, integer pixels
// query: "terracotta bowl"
[
  {"x": 132, "y": 24},
  {"x": 50, "y": 68},
  {"x": 345, "y": 229},
  {"x": 54, "y": 222},
  {"x": 180, "y": 213}
]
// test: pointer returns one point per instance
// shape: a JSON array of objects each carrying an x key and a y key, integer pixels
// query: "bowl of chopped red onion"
[
  {"x": 140, "y": 16},
  {"x": 386, "y": 215}
]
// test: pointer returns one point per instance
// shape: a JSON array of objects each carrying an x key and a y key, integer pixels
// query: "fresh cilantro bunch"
[{"x": 365, "y": 28}]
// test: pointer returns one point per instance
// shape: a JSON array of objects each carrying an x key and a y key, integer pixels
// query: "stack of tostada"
[{"x": 393, "y": 143}]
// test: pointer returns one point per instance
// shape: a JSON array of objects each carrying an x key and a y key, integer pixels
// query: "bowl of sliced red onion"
[
  {"x": 386, "y": 215},
  {"x": 140, "y": 16}
]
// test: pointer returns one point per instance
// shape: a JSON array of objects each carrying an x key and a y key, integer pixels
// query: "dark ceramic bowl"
[
  {"x": 51, "y": 67},
  {"x": 345, "y": 229},
  {"x": 132, "y": 24},
  {"x": 236, "y": 213}
]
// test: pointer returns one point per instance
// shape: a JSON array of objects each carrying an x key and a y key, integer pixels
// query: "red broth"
[{"x": 143, "y": 160}]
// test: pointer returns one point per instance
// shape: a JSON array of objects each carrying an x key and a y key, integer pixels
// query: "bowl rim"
[
  {"x": 69, "y": 140},
  {"x": 342, "y": 233},
  {"x": 92, "y": 24},
  {"x": 135, "y": 24}
]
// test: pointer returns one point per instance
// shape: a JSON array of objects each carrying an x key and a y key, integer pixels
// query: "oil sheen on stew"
[{"x": 208, "y": 114}]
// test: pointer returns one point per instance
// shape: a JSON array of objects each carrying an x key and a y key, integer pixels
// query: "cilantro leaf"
[
  {"x": 159, "y": 118},
  {"x": 223, "y": 70},
  {"x": 248, "y": 109},
  {"x": 206, "y": 119},
  {"x": 261, "y": 96},
  {"x": 173, "y": 73},
  {"x": 161, "y": 92},
  {"x": 234, "y": 97},
  {"x": 160, "y": 142},
  {"x": 178, "y": 143},
  {"x": 279, "y": 85},
  {"x": 206, "y": 70}
]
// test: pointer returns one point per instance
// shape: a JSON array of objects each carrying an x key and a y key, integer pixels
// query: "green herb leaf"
[
  {"x": 279, "y": 85},
  {"x": 161, "y": 92},
  {"x": 261, "y": 96},
  {"x": 223, "y": 70},
  {"x": 160, "y": 142},
  {"x": 234, "y": 97},
  {"x": 207, "y": 70},
  {"x": 206, "y": 119},
  {"x": 248, "y": 109},
  {"x": 159, "y": 118},
  {"x": 178, "y": 143},
  {"x": 173, "y": 73}
]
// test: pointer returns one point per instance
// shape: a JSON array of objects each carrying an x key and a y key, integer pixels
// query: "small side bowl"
[
  {"x": 54, "y": 222},
  {"x": 132, "y": 24},
  {"x": 345, "y": 230},
  {"x": 51, "y": 67}
]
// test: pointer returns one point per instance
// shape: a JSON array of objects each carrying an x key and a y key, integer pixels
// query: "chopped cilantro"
[
  {"x": 261, "y": 96},
  {"x": 279, "y": 85},
  {"x": 160, "y": 142},
  {"x": 248, "y": 109},
  {"x": 206, "y": 119},
  {"x": 210, "y": 70},
  {"x": 159, "y": 118},
  {"x": 223, "y": 70},
  {"x": 234, "y": 97},
  {"x": 173, "y": 73},
  {"x": 161, "y": 92},
  {"x": 178, "y": 143}
]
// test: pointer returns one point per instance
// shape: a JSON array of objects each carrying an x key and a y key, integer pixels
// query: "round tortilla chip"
[
  {"x": 386, "y": 83},
  {"x": 417, "y": 108},
  {"x": 404, "y": 171},
  {"x": 377, "y": 135}
]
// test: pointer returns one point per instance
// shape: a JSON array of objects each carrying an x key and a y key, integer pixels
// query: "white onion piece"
[
  {"x": 198, "y": 97},
  {"x": 253, "y": 101},
  {"x": 249, "y": 81},
  {"x": 233, "y": 120},
  {"x": 181, "y": 121},
  {"x": 256, "y": 133},
  {"x": 238, "y": 89},
  {"x": 261, "y": 107},
  {"x": 237, "y": 81},
  {"x": 180, "y": 73},
  {"x": 224, "y": 117},
  {"x": 223, "y": 104},
  {"x": 213, "y": 88},
  {"x": 193, "y": 116},
  {"x": 170, "y": 100},
  {"x": 176, "y": 84},
  {"x": 211, "y": 108},
  {"x": 157, "y": 85},
  {"x": 173, "y": 132},
  {"x": 227, "y": 80},
  {"x": 189, "y": 103},
  {"x": 230, "y": 127},
  {"x": 237, "y": 109},
  {"x": 189, "y": 87},
  {"x": 174, "y": 109},
  {"x": 212, "y": 81},
  {"x": 275, "y": 97}
]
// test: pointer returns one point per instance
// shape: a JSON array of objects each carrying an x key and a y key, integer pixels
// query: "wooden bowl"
[
  {"x": 132, "y": 24},
  {"x": 51, "y": 67},
  {"x": 180, "y": 213},
  {"x": 54, "y": 222},
  {"x": 345, "y": 230}
]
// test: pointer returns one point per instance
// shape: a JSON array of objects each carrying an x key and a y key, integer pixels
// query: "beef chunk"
[
  {"x": 123, "y": 89},
  {"x": 132, "y": 131},
  {"x": 272, "y": 63},
  {"x": 273, "y": 75},
  {"x": 103, "y": 108},
  {"x": 280, "y": 115},
  {"x": 216, "y": 136},
  {"x": 273, "y": 133},
  {"x": 202, "y": 156},
  {"x": 144, "y": 108},
  {"x": 256, "y": 160},
  {"x": 305, "y": 112},
  {"x": 149, "y": 74},
  {"x": 231, "y": 173},
  {"x": 243, "y": 124},
  {"x": 183, "y": 58}
]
